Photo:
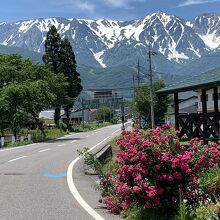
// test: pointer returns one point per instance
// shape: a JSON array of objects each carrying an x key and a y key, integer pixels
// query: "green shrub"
[
  {"x": 210, "y": 182},
  {"x": 207, "y": 212},
  {"x": 19, "y": 143}
]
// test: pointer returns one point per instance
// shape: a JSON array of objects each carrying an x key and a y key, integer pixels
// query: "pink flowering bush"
[{"x": 153, "y": 170}]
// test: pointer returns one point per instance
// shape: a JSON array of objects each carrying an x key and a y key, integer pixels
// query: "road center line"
[
  {"x": 73, "y": 141},
  {"x": 44, "y": 150},
  {"x": 18, "y": 158},
  {"x": 74, "y": 190},
  {"x": 115, "y": 131},
  {"x": 61, "y": 145}
]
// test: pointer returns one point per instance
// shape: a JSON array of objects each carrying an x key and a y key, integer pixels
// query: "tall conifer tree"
[
  {"x": 68, "y": 68},
  {"x": 52, "y": 49},
  {"x": 52, "y": 58}
]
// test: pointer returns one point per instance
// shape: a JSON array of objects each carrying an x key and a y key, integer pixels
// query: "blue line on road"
[{"x": 54, "y": 175}]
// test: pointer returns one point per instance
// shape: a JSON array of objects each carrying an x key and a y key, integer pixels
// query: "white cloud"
[
  {"x": 85, "y": 5},
  {"x": 122, "y": 3},
  {"x": 196, "y": 2}
]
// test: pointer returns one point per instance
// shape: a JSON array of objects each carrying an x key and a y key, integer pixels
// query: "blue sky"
[{"x": 14, "y": 10}]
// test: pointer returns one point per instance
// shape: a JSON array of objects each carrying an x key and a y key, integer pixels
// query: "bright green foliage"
[
  {"x": 141, "y": 104},
  {"x": 25, "y": 90},
  {"x": 104, "y": 113},
  {"x": 207, "y": 212}
]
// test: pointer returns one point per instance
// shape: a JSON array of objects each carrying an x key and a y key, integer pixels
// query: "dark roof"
[
  {"x": 191, "y": 97},
  {"x": 207, "y": 79},
  {"x": 189, "y": 109}
]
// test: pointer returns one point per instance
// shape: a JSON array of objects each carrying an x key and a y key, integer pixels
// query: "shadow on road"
[{"x": 64, "y": 140}]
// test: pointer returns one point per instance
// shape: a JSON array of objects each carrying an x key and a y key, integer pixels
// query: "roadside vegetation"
[
  {"x": 27, "y": 88},
  {"x": 141, "y": 105},
  {"x": 152, "y": 176}
]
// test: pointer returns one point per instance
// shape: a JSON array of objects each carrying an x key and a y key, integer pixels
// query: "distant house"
[
  {"x": 209, "y": 99},
  {"x": 186, "y": 106},
  {"x": 205, "y": 123},
  {"x": 103, "y": 94},
  {"x": 76, "y": 117},
  {"x": 48, "y": 114}
]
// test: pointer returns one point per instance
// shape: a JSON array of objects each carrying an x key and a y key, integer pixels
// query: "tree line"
[{"x": 27, "y": 88}]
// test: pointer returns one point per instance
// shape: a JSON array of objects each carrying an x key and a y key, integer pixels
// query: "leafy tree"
[
  {"x": 37, "y": 98},
  {"x": 11, "y": 98},
  {"x": 23, "y": 99},
  {"x": 104, "y": 113},
  {"x": 25, "y": 90},
  {"x": 141, "y": 104},
  {"x": 68, "y": 68}
]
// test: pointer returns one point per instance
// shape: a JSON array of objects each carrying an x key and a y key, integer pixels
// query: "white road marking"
[
  {"x": 14, "y": 148},
  {"x": 115, "y": 131},
  {"x": 18, "y": 158},
  {"x": 73, "y": 141},
  {"x": 87, "y": 136},
  {"x": 74, "y": 190},
  {"x": 44, "y": 150},
  {"x": 61, "y": 145}
]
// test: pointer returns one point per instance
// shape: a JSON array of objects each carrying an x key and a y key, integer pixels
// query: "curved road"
[{"x": 33, "y": 182}]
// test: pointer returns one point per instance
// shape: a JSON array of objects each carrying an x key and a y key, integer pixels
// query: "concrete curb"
[
  {"x": 74, "y": 190},
  {"x": 102, "y": 153}
]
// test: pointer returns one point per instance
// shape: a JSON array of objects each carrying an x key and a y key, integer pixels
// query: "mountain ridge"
[{"x": 108, "y": 43}]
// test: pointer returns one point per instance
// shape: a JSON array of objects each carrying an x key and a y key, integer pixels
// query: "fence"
[{"x": 11, "y": 140}]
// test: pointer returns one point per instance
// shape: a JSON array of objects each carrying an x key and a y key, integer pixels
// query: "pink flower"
[
  {"x": 165, "y": 157},
  {"x": 174, "y": 199},
  {"x": 146, "y": 143},
  {"x": 138, "y": 178},
  {"x": 170, "y": 178},
  {"x": 214, "y": 145},
  {"x": 177, "y": 132},
  {"x": 177, "y": 176},
  {"x": 136, "y": 189},
  {"x": 201, "y": 142},
  {"x": 147, "y": 205},
  {"x": 194, "y": 148},
  {"x": 157, "y": 167},
  {"x": 163, "y": 140}
]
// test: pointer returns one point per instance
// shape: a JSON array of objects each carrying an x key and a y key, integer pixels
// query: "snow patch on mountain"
[
  {"x": 98, "y": 57},
  {"x": 211, "y": 40}
]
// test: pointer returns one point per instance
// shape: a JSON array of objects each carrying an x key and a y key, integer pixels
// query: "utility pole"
[
  {"x": 138, "y": 80},
  {"x": 134, "y": 85},
  {"x": 122, "y": 114},
  {"x": 83, "y": 115},
  {"x": 138, "y": 73},
  {"x": 151, "y": 88}
]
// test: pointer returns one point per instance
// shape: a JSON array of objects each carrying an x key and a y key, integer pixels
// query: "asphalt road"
[{"x": 33, "y": 182}]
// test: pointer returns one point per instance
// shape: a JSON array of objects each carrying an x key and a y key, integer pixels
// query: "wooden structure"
[{"x": 204, "y": 125}]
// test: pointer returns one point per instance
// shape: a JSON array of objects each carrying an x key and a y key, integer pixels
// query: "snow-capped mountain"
[
  {"x": 207, "y": 26},
  {"x": 105, "y": 43}
]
